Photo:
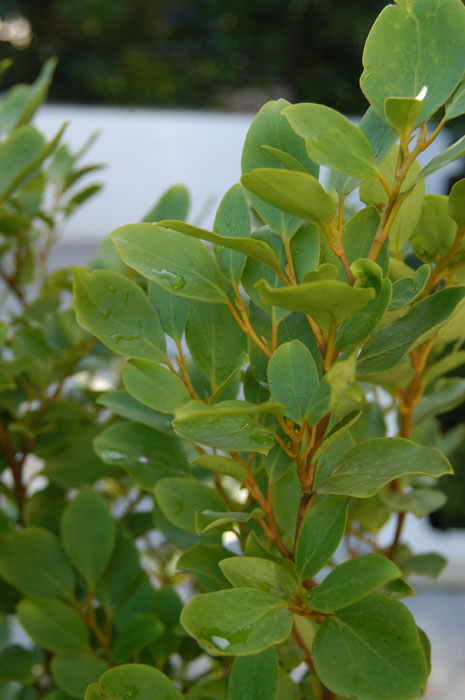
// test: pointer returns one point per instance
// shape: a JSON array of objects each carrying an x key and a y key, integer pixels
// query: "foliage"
[{"x": 241, "y": 453}]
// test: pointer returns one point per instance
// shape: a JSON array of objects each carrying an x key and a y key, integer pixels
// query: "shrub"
[{"x": 257, "y": 377}]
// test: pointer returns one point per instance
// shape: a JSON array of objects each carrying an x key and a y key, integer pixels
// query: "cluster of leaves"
[{"x": 249, "y": 414}]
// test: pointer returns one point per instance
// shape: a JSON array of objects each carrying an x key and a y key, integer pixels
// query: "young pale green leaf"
[
  {"x": 351, "y": 581},
  {"x": 456, "y": 150},
  {"x": 320, "y": 534},
  {"x": 254, "y": 572},
  {"x": 455, "y": 106},
  {"x": 154, "y": 252},
  {"x": 364, "y": 469},
  {"x": 172, "y": 310},
  {"x": 389, "y": 345},
  {"x": 88, "y": 534},
  {"x": 173, "y": 204},
  {"x": 222, "y": 465},
  {"x": 420, "y": 502},
  {"x": 154, "y": 386},
  {"x": 299, "y": 194},
  {"x": 72, "y": 673},
  {"x": 254, "y": 677},
  {"x": 210, "y": 520},
  {"x": 328, "y": 302},
  {"x": 332, "y": 139},
  {"x": 38, "y": 550},
  {"x": 117, "y": 311},
  {"x": 124, "y": 405},
  {"x": 237, "y": 622},
  {"x": 421, "y": 31},
  {"x": 403, "y": 113},
  {"x": 138, "y": 680},
  {"x": 179, "y": 499},
  {"x": 140, "y": 631},
  {"x": 270, "y": 128},
  {"x": 456, "y": 203},
  {"x": 21, "y": 102},
  {"x": 202, "y": 560},
  {"x": 227, "y": 425},
  {"x": 215, "y": 341},
  {"x": 292, "y": 378},
  {"x": 144, "y": 453},
  {"x": 371, "y": 650},
  {"x": 53, "y": 625}
]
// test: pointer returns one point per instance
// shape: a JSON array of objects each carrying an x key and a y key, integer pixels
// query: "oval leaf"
[
  {"x": 53, "y": 625},
  {"x": 319, "y": 535},
  {"x": 154, "y": 386}
]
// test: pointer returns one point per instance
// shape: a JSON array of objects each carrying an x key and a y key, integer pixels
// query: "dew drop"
[
  {"x": 118, "y": 337},
  {"x": 220, "y": 643},
  {"x": 297, "y": 251},
  {"x": 130, "y": 692},
  {"x": 218, "y": 248},
  {"x": 112, "y": 455},
  {"x": 111, "y": 288},
  {"x": 143, "y": 459},
  {"x": 125, "y": 297},
  {"x": 105, "y": 312},
  {"x": 175, "y": 281}
]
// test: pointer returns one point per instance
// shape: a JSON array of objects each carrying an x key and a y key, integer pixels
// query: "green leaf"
[
  {"x": 179, "y": 499},
  {"x": 332, "y": 139},
  {"x": 17, "y": 664},
  {"x": 320, "y": 534},
  {"x": 403, "y": 113},
  {"x": 135, "y": 635},
  {"x": 232, "y": 220},
  {"x": 398, "y": 588},
  {"x": 173, "y": 204},
  {"x": 117, "y": 311},
  {"x": 154, "y": 386},
  {"x": 408, "y": 289},
  {"x": 21, "y": 102},
  {"x": 305, "y": 248},
  {"x": 222, "y": 465},
  {"x": 435, "y": 231},
  {"x": 371, "y": 650},
  {"x": 358, "y": 327},
  {"x": 335, "y": 432},
  {"x": 270, "y": 128},
  {"x": 254, "y": 677},
  {"x": 430, "y": 564},
  {"x": 74, "y": 672},
  {"x": 351, "y": 581},
  {"x": 210, "y": 520},
  {"x": 38, "y": 550},
  {"x": 154, "y": 252},
  {"x": 364, "y": 469},
  {"x": 299, "y": 194},
  {"x": 137, "y": 679},
  {"x": 202, "y": 560},
  {"x": 428, "y": 36},
  {"x": 389, "y": 345},
  {"x": 328, "y": 302},
  {"x": 88, "y": 534},
  {"x": 456, "y": 150},
  {"x": 286, "y": 160},
  {"x": 53, "y": 625},
  {"x": 420, "y": 502},
  {"x": 16, "y": 154},
  {"x": 254, "y": 572},
  {"x": 455, "y": 106},
  {"x": 226, "y": 425},
  {"x": 215, "y": 342},
  {"x": 236, "y": 622},
  {"x": 358, "y": 236},
  {"x": 124, "y": 405},
  {"x": 172, "y": 310},
  {"x": 253, "y": 272},
  {"x": 292, "y": 378},
  {"x": 447, "y": 394},
  {"x": 144, "y": 453},
  {"x": 456, "y": 203}
]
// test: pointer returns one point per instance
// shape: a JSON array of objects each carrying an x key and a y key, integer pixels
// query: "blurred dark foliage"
[{"x": 196, "y": 53}]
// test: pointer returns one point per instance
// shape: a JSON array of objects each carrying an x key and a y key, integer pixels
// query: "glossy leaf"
[
  {"x": 207, "y": 520},
  {"x": 403, "y": 112},
  {"x": 174, "y": 203},
  {"x": 299, "y": 194},
  {"x": 351, "y": 581},
  {"x": 364, "y": 469},
  {"x": 135, "y": 635},
  {"x": 179, "y": 499},
  {"x": 36, "y": 549},
  {"x": 320, "y": 534},
  {"x": 53, "y": 625},
  {"x": 74, "y": 672},
  {"x": 124, "y": 405},
  {"x": 292, "y": 378},
  {"x": 371, "y": 649},
  {"x": 254, "y": 572},
  {"x": 332, "y": 139},
  {"x": 270, "y": 128},
  {"x": 117, "y": 311},
  {"x": 236, "y": 622},
  {"x": 137, "y": 679},
  {"x": 154, "y": 252},
  {"x": 254, "y": 677},
  {"x": 154, "y": 386},
  {"x": 327, "y": 302},
  {"x": 420, "y": 30},
  {"x": 173, "y": 310}
]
